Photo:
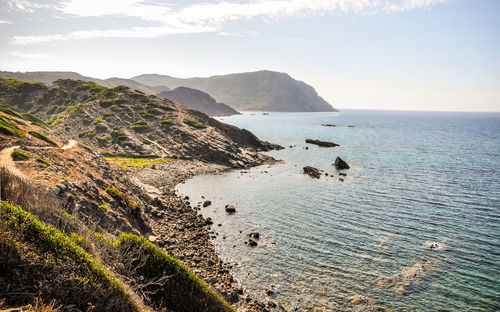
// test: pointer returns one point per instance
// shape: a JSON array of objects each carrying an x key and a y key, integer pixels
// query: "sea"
[{"x": 413, "y": 226}]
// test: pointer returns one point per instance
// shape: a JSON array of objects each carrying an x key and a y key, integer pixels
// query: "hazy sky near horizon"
[{"x": 370, "y": 54}]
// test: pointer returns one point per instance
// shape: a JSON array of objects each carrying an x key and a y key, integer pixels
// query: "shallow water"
[{"x": 415, "y": 177}]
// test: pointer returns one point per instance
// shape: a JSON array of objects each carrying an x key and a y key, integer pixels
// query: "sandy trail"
[
  {"x": 70, "y": 144},
  {"x": 7, "y": 161}
]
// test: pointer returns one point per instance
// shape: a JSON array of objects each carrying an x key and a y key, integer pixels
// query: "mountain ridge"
[
  {"x": 260, "y": 90},
  {"x": 51, "y": 76},
  {"x": 199, "y": 100}
]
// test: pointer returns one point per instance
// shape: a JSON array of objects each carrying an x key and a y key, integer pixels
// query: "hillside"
[
  {"x": 92, "y": 164},
  {"x": 199, "y": 101},
  {"x": 49, "y": 77},
  {"x": 262, "y": 90}
]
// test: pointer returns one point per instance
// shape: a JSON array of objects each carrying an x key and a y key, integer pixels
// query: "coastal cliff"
[{"x": 106, "y": 161}]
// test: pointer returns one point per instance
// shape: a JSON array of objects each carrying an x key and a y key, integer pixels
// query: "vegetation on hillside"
[{"x": 49, "y": 254}]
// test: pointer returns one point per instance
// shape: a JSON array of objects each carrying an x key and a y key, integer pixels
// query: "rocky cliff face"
[
  {"x": 199, "y": 101},
  {"x": 262, "y": 90}
]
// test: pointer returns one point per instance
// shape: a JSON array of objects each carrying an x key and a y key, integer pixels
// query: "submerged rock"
[
  {"x": 206, "y": 203},
  {"x": 252, "y": 242},
  {"x": 312, "y": 172},
  {"x": 435, "y": 246},
  {"x": 255, "y": 235},
  {"x": 230, "y": 208},
  {"x": 321, "y": 143},
  {"x": 340, "y": 164},
  {"x": 411, "y": 278},
  {"x": 328, "y": 125}
]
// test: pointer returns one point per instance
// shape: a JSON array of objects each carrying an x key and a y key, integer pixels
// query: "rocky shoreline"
[{"x": 181, "y": 231}]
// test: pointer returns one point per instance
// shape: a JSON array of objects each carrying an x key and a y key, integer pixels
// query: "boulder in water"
[
  {"x": 312, "y": 172},
  {"x": 230, "y": 208},
  {"x": 340, "y": 164},
  {"x": 321, "y": 143}
]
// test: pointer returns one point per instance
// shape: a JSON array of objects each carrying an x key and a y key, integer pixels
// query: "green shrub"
[
  {"x": 43, "y": 161},
  {"x": 78, "y": 110},
  {"x": 58, "y": 258},
  {"x": 141, "y": 126},
  {"x": 183, "y": 290},
  {"x": 8, "y": 128},
  {"x": 42, "y": 137},
  {"x": 107, "y": 116},
  {"x": 119, "y": 136},
  {"x": 36, "y": 120},
  {"x": 55, "y": 123},
  {"x": 103, "y": 206},
  {"x": 111, "y": 102},
  {"x": 138, "y": 107},
  {"x": 124, "y": 198},
  {"x": 18, "y": 155},
  {"x": 120, "y": 88},
  {"x": 11, "y": 112},
  {"x": 103, "y": 139},
  {"x": 194, "y": 124}
]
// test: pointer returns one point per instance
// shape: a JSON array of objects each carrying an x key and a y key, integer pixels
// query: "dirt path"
[
  {"x": 70, "y": 144},
  {"x": 7, "y": 161}
]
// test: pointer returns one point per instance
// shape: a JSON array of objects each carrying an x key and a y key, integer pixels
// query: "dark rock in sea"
[
  {"x": 186, "y": 197},
  {"x": 343, "y": 174},
  {"x": 340, "y": 164},
  {"x": 252, "y": 242},
  {"x": 326, "y": 174},
  {"x": 350, "y": 126},
  {"x": 206, "y": 203},
  {"x": 312, "y": 172},
  {"x": 328, "y": 125},
  {"x": 321, "y": 143},
  {"x": 230, "y": 208},
  {"x": 255, "y": 235},
  {"x": 341, "y": 180},
  {"x": 209, "y": 221},
  {"x": 269, "y": 292},
  {"x": 307, "y": 148}
]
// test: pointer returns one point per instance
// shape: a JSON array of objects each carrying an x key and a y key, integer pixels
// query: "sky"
[{"x": 365, "y": 54}]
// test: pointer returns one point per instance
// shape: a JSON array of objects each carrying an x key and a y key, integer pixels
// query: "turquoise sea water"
[{"x": 415, "y": 177}]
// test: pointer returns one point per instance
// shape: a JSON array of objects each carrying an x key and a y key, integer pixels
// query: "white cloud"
[
  {"x": 31, "y": 56},
  {"x": 247, "y": 33},
  {"x": 206, "y": 17},
  {"x": 26, "y": 6}
]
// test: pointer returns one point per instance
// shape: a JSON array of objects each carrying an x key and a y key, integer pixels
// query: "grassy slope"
[{"x": 38, "y": 258}]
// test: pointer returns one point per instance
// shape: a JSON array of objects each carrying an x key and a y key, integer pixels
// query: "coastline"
[{"x": 180, "y": 230}]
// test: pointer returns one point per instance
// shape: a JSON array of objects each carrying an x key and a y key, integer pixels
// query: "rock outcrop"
[
  {"x": 312, "y": 172},
  {"x": 198, "y": 100},
  {"x": 340, "y": 164},
  {"x": 321, "y": 143}
]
